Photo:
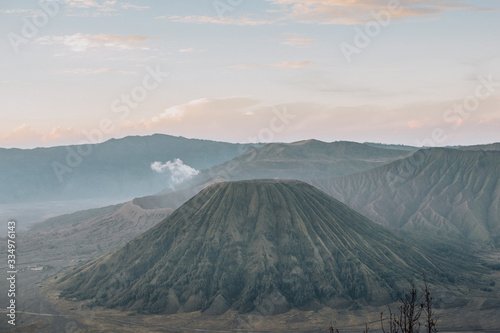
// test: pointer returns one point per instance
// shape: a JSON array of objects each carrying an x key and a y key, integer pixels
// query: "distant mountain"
[
  {"x": 302, "y": 160},
  {"x": 447, "y": 192},
  {"x": 238, "y": 245},
  {"x": 391, "y": 146},
  {"x": 118, "y": 168},
  {"x": 491, "y": 146}
]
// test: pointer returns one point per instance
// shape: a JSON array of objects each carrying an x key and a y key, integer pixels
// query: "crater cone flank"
[{"x": 238, "y": 245}]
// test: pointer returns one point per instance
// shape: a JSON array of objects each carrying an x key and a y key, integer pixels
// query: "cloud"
[
  {"x": 60, "y": 133},
  {"x": 244, "y": 66},
  {"x": 19, "y": 11},
  {"x": 361, "y": 11},
  {"x": 131, "y": 6},
  {"x": 223, "y": 20},
  {"x": 243, "y": 119},
  {"x": 26, "y": 136},
  {"x": 282, "y": 65},
  {"x": 414, "y": 124},
  {"x": 246, "y": 119},
  {"x": 206, "y": 107},
  {"x": 83, "y": 42},
  {"x": 219, "y": 116},
  {"x": 86, "y": 3},
  {"x": 292, "y": 64},
  {"x": 190, "y": 50},
  {"x": 296, "y": 40},
  {"x": 84, "y": 71},
  {"x": 91, "y": 8},
  {"x": 95, "y": 8},
  {"x": 178, "y": 171},
  {"x": 21, "y": 134},
  {"x": 224, "y": 104}
]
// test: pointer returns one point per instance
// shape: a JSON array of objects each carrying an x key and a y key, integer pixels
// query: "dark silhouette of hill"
[
  {"x": 447, "y": 192},
  {"x": 237, "y": 245},
  {"x": 118, "y": 168}
]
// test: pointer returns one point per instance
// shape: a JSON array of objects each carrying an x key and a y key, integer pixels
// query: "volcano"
[{"x": 238, "y": 245}]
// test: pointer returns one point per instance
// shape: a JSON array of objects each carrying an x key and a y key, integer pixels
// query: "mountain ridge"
[
  {"x": 452, "y": 192},
  {"x": 117, "y": 168},
  {"x": 301, "y": 160}
]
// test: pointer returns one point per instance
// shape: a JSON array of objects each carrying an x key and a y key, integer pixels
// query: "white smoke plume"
[{"x": 177, "y": 170}]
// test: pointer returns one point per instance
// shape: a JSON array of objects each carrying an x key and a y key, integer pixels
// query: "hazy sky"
[{"x": 410, "y": 72}]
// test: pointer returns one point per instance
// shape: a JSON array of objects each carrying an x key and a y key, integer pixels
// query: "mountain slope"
[
  {"x": 118, "y": 168},
  {"x": 79, "y": 236},
  {"x": 448, "y": 192},
  {"x": 240, "y": 244},
  {"x": 302, "y": 160}
]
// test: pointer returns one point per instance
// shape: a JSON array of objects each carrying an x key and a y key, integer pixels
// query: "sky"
[{"x": 421, "y": 73}]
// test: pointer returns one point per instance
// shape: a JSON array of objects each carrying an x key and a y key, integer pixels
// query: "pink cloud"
[
  {"x": 224, "y": 20},
  {"x": 59, "y": 133},
  {"x": 292, "y": 64},
  {"x": 83, "y": 42},
  {"x": 21, "y": 134},
  {"x": 361, "y": 11}
]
